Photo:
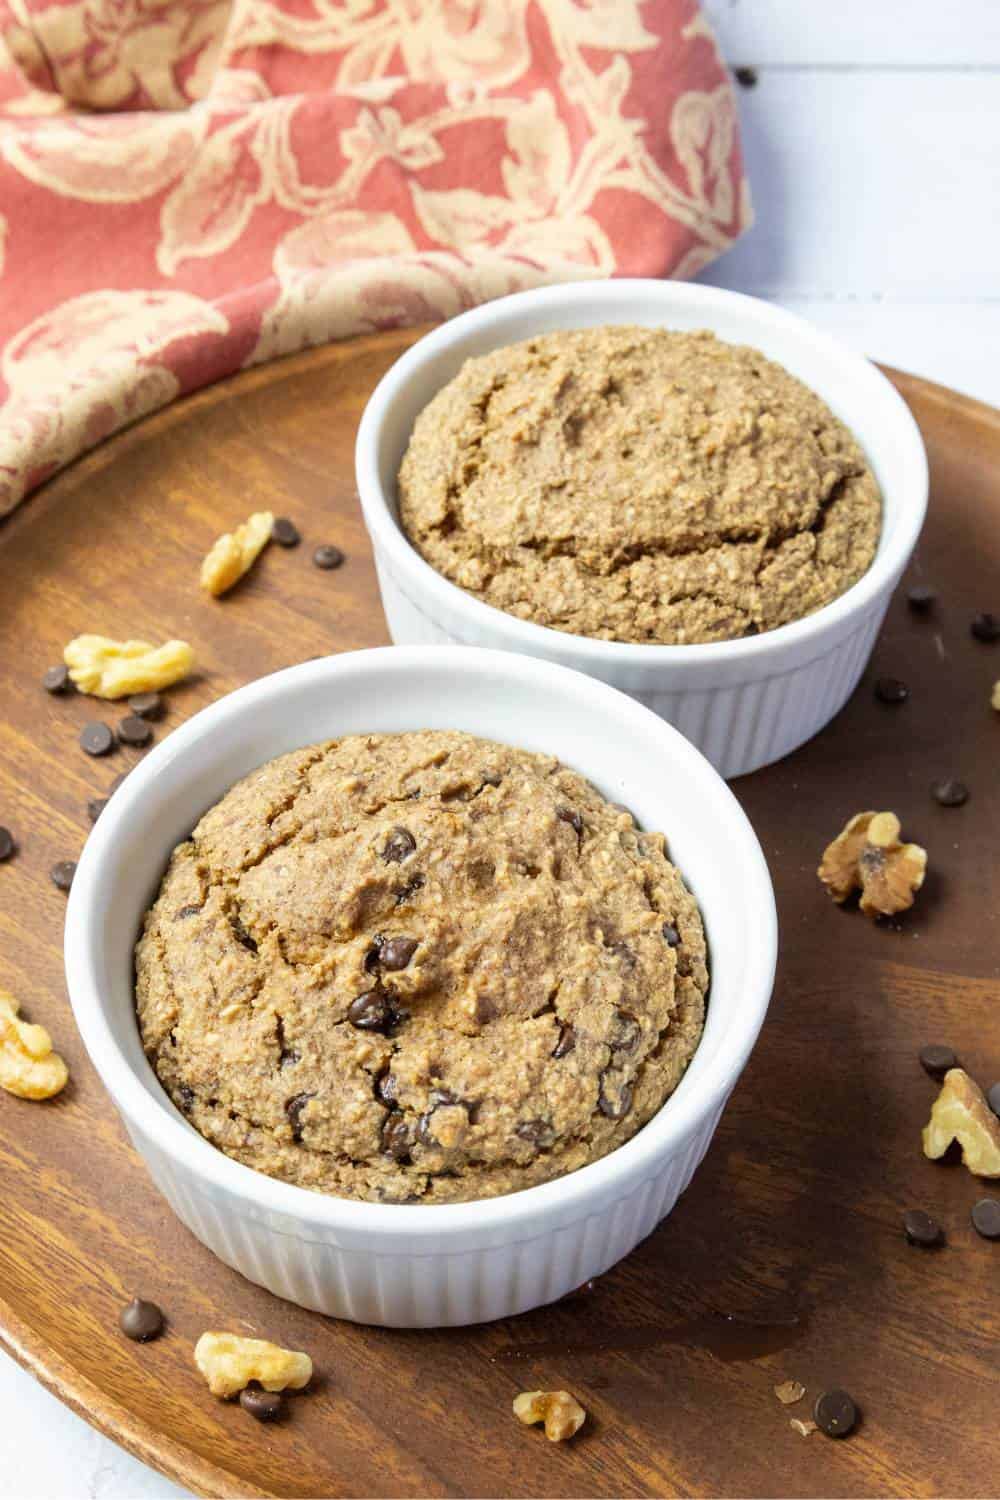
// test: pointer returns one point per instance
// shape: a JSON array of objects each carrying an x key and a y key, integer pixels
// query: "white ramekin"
[
  {"x": 462, "y": 1263},
  {"x": 744, "y": 703}
]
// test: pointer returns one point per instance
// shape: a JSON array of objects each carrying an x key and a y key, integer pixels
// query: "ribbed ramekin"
[
  {"x": 744, "y": 703},
  {"x": 455, "y": 1263}
]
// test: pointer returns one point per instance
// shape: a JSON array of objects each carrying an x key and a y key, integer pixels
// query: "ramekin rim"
[
  {"x": 588, "y": 652},
  {"x": 155, "y": 1118}
]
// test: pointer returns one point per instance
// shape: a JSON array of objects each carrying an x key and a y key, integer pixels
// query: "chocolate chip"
[
  {"x": 288, "y": 1057},
  {"x": 185, "y": 1098},
  {"x": 409, "y": 889},
  {"x": 891, "y": 690},
  {"x": 61, "y": 873},
  {"x": 572, "y": 817},
  {"x": 146, "y": 705},
  {"x": 486, "y": 1010},
  {"x": 671, "y": 936},
  {"x": 920, "y": 598},
  {"x": 134, "y": 731},
  {"x": 617, "y": 1108},
  {"x": 370, "y": 961},
  {"x": 387, "y": 1088},
  {"x": 57, "y": 680},
  {"x": 993, "y": 1098},
  {"x": 396, "y": 1139},
  {"x": 937, "y": 1060},
  {"x": 7, "y": 844},
  {"x": 266, "y": 1406},
  {"x": 95, "y": 806},
  {"x": 920, "y": 1229},
  {"x": 396, "y": 952},
  {"x": 185, "y": 912},
  {"x": 536, "y": 1132},
  {"x": 950, "y": 793},
  {"x": 372, "y": 1011},
  {"x": 835, "y": 1413},
  {"x": 746, "y": 77},
  {"x": 96, "y": 738},
  {"x": 328, "y": 557},
  {"x": 566, "y": 1042},
  {"x": 626, "y": 1033},
  {"x": 293, "y": 1109},
  {"x": 986, "y": 628},
  {"x": 398, "y": 846},
  {"x": 285, "y": 532},
  {"x": 241, "y": 935},
  {"x": 141, "y": 1321},
  {"x": 986, "y": 1218}
]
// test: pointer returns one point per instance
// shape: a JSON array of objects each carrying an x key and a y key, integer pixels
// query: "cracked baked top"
[
  {"x": 636, "y": 484},
  {"x": 419, "y": 968}
]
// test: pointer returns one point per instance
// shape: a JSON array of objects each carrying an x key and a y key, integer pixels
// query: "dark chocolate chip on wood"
[
  {"x": 937, "y": 1060},
  {"x": 62, "y": 873},
  {"x": 746, "y": 76},
  {"x": 396, "y": 952},
  {"x": 57, "y": 680},
  {"x": 146, "y": 705},
  {"x": 266, "y": 1406},
  {"x": 986, "y": 628},
  {"x": 7, "y": 844},
  {"x": 993, "y": 1098},
  {"x": 920, "y": 1229},
  {"x": 327, "y": 557},
  {"x": 96, "y": 738},
  {"x": 891, "y": 690},
  {"x": 398, "y": 846},
  {"x": 835, "y": 1413},
  {"x": 986, "y": 1218},
  {"x": 141, "y": 1321},
  {"x": 134, "y": 731},
  {"x": 285, "y": 532},
  {"x": 949, "y": 792},
  {"x": 920, "y": 598}
]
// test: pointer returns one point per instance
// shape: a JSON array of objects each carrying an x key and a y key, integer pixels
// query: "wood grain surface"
[{"x": 796, "y": 1212}]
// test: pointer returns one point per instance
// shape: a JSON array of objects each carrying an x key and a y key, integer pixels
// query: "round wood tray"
[{"x": 797, "y": 1209}]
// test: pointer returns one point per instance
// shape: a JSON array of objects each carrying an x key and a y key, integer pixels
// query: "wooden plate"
[{"x": 797, "y": 1211}]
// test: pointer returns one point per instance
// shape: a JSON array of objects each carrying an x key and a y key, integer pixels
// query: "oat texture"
[
  {"x": 637, "y": 484},
  {"x": 419, "y": 968}
]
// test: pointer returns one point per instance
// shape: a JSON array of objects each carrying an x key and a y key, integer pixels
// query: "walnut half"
[
  {"x": 868, "y": 856},
  {"x": 962, "y": 1114},
  {"x": 229, "y": 1362},
  {"x": 234, "y": 553},
  {"x": 28, "y": 1066},
  {"x": 562, "y": 1413},
  {"x": 117, "y": 669}
]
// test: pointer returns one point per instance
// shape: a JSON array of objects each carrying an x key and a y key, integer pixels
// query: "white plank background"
[{"x": 873, "y": 143}]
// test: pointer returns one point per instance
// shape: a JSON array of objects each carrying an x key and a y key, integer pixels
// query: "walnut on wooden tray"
[
  {"x": 28, "y": 1066},
  {"x": 117, "y": 669},
  {"x": 962, "y": 1114},
  {"x": 229, "y": 1362},
  {"x": 234, "y": 553},
  {"x": 867, "y": 856},
  {"x": 562, "y": 1413}
]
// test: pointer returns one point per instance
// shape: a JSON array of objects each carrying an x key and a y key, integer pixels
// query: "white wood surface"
[{"x": 873, "y": 143}]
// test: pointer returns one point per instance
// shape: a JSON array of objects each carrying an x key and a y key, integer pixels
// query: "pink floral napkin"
[{"x": 188, "y": 187}]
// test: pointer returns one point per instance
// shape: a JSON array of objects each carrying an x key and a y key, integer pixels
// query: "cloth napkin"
[{"x": 189, "y": 187}]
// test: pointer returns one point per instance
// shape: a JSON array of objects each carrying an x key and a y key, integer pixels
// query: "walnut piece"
[
  {"x": 962, "y": 1114},
  {"x": 229, "y": 1362},
  {"x": 995, "y": 697},
  {"x": 802, "y": 1428},
  {"x": 562, "y": 1413},
  {"x": 789, "y": 1391},
  {"x": 868, "y": 856},
  {"x": 235, "y": 552},
  {"x": 28, "y": 1066},
  {"x": 117, "y": 669}
]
